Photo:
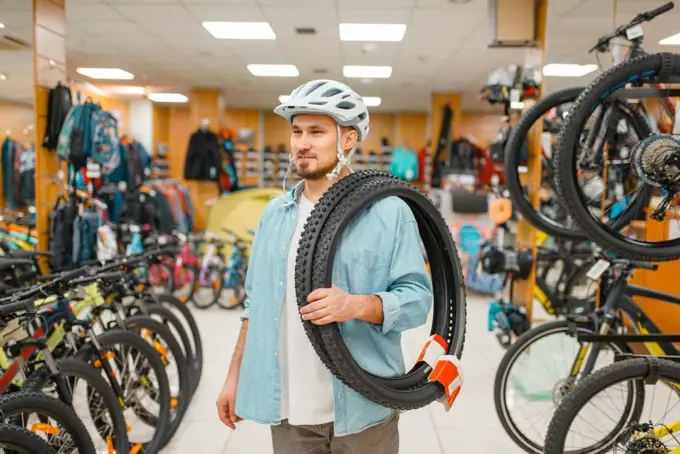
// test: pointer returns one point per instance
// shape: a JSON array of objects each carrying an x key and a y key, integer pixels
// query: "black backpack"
[
  {"x": 62, "y": 219},
  {"x": 59, "y": 104}
]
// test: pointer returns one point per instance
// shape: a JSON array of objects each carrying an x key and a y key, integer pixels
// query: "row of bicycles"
[
  {"x": 207, "y": 270},
  {"x": 601, "y": 377},
  {"x": 100, "y": 358}
]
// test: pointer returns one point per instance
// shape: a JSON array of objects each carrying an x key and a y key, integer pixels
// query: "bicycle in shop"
[
  {"x": 606, "y": 186},
  {"x": 65, "y": 339}
]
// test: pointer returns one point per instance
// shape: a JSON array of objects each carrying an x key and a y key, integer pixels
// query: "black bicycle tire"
[
  {"x": 39, "y": 378},
  {"x": 119, "y": 336},
  {"x": 18, "y": 440},
  {"x": 528, "y": 338},
  {"x": 173, "y": 303},
  {"x": 29, "y": 401},
  {"x": 343, "y": 186},
  {"x": 170, "y": 319},
  {"x": 196, "y": 275},
  {"x": 513, "y": 152},
  {"x": 314, "y": 269},
  {"x": 566, "y": 155},
  {"x": 633, "y": 368},
  {"x": 138, "y": 322},
  {"x": 216, "y": 294}
]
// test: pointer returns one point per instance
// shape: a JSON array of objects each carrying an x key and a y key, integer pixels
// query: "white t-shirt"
[{"x": 306, "y": 384}]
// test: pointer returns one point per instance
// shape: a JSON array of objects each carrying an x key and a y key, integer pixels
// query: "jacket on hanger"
[
  {"x": 203, "y": 157},
  {"x": 59, "y": 104}
]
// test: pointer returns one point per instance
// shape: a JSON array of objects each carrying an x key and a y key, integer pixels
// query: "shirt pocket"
[{"x": 369, "y": 271}]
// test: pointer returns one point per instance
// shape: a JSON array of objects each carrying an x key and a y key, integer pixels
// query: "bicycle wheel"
[
  {"x": 237, "y": 284},
  {"x": 207, "y": 287},
  {"x": 18, "y": 440},
  {"x": 58, "y": 423},
  {"x": 601, "y": 93},
  {"x": 513, "y": 163},
  {"x": 102, "y": 414},
  {"x": 314, "y": 266},
  {"x": 520, "y": 389},
  {"x": 173, "y": 303},
  {"x": 170, "y": 351},
  {"x": 146, "y": 388},
  {"x": 172, "y": 321},
  {"x": 640, "y": 429}
]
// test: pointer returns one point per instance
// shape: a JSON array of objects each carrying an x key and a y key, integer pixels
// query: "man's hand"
[
  {"x": 328, "y": 305},
  {"x": 226, "y": 402}
]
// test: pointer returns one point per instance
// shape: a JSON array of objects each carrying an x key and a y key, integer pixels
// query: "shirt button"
[
  {"x": 283, "y": 249},
  {"x": 276, "y": 353},
  {"x": 280, "y": 284},
  {"x": 276, "y": 319}
]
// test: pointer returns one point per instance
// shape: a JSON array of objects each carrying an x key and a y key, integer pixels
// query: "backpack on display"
[
  {"x": 62, "y": 219},
  {"x": 59, "y": 104}
]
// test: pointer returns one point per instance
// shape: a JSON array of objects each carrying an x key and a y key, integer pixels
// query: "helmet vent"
[
  {"x": 318, "y": 103},
  {"x": 345, "y": 105},
  {"x": 315, "y": 86},
  {"x": 331, "y": 92}
]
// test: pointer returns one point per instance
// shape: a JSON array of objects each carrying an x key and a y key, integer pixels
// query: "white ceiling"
[{"x": 445, "y": 47}]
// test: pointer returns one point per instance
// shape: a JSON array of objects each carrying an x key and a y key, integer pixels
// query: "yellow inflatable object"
[{"x": 239, "y": 211}]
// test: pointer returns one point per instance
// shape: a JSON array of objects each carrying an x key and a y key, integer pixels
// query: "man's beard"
[{"x": 316, "y": 174}]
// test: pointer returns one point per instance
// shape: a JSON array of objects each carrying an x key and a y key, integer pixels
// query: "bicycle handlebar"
[{"x": 637, "y": 20}]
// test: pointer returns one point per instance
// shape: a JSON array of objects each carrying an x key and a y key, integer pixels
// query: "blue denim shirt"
[{"x": 379, "y": 254}]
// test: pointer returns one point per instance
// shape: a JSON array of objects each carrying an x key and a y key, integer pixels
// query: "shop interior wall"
[{"x": 16, "y": 121}]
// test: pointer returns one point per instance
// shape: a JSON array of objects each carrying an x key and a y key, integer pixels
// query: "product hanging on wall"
[
  {"x": 18, "y": 174},
  {"x": 203, "y": 160},
  {"x": 59, "y": 104}
]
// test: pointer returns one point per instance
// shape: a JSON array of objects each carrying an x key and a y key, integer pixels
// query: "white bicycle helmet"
[{"x": 332, "y": 98}]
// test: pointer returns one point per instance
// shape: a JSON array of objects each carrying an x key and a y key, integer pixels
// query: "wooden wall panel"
[
  {"x": 17, "y": 121},
  {"x": 276, "y": 131},
  {"x": 161, "y": 126},
  {"x": 480, "y": 128},
  {"x": 243, "y": 118},
  {"x": 411, "y": 129},
  {"x": 382, "y": 126},
  {"x": 49, "y": 31}
]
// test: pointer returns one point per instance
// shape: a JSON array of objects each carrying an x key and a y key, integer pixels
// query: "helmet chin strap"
[{"x": 342, "y": 159}]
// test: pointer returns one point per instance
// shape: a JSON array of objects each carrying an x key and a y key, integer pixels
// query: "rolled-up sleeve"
[{"x": 406, "y": 302}]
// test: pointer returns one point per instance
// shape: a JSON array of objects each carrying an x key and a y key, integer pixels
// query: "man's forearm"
[
  {"x": 235, "y": 365},
  {"x": 369, "y": 308}
]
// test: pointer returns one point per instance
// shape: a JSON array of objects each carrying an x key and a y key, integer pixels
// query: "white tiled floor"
[{"x": 470, "y": 427}]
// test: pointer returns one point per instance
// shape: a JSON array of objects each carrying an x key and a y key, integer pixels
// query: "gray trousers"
[{"x": 319, "y": 439}]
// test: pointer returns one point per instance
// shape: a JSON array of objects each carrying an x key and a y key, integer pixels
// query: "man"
[{"x": 380, "y": 288}]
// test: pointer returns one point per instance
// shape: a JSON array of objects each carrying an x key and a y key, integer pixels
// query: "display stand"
[{"x": 523, "y": 291}]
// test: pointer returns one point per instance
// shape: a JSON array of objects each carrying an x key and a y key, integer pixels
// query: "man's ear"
[{"x": 349, "y": 138}]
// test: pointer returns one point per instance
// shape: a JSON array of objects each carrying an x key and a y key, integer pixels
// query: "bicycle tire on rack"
[
  {"x": 172, "y": 320},
  {"x": 22, "y": 402},
  {"x": 513, "y": 155},
  {"x": 567, "y": 150},
  {"x": 173, "y": 303},
  {"x": 77, "y": 368},
  {"x": 18, "y": 440},
  {"x": 116, "y": 337},
  {"x": 637, "y": 369},
  {"x": 524, "y": 342},
  {"x": 136, "y": 324},
  {"x": 323, "y": 230}
]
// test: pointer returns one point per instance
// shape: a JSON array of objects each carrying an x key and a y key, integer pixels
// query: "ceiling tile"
[
  {"x": 141, "y": 13},
  {"x": 284, "y": 20},
  {"x": 218, "y": 2},
  {"x": 342, "y": 4},
  {"x": 383, "y": 16},
  {"x": 234, "y": 13},
  {"x": 461, "y": 8},
  {"x": 294, "y": 2},
  {"x": 92, "y": 12}
]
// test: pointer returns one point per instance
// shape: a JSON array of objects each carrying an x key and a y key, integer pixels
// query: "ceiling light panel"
[
  {"x": 240, "y": 30},
  {"x": 370, "y": 72},
  {"x": 372, "y": 32},
  {"x": 168, "y": 97},
  {"x": 673, "y": 40},
  {"x": 567, "y": 69},
  {"x": 106, "y": 73},
  {"x": 273, "y": 70}
]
